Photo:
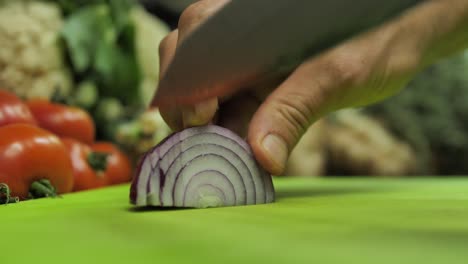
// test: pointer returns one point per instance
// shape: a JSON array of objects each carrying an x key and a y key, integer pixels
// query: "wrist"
[{"x": 437, "y": 29}]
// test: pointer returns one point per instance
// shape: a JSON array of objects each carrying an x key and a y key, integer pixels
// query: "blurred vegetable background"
[
  {"x": 84, "y": 72},
  {"x": 101, "y": 56},
  {"x": 423, "y": 130}
]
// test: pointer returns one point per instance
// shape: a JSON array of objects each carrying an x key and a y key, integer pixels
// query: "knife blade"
[{"x": 250, "y": 41}]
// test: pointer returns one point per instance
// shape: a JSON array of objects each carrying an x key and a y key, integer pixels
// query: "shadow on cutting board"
[
  {"x": 155, "y": 208},
  {"x": 297, "y": 192},
  {"x": 319, "y": 192}
]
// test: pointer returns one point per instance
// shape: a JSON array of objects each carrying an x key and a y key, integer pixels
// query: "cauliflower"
[
  {"x": 140, "y": 135},
  {"x": 351, "y": 142},
  {"x": 361, "y": 145},
  {"x": 149, "y": 33},
  {"x": 308, "y": 157},
  {"x": 31, "y": 59}
]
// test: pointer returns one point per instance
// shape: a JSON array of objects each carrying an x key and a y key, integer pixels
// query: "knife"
[{"x": 250, "y": 41}]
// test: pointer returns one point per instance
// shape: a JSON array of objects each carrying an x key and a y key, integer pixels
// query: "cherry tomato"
[
  {"x": 14, "y": 110},
  {"x": 33, "y": 161},
  {"x": 89, "y": 167},
  {"x": 63, "y": 120},
  {"x": 119, "y": 168}
]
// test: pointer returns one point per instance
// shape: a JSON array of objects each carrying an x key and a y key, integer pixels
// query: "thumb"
[{"x": 285, "y": 116}]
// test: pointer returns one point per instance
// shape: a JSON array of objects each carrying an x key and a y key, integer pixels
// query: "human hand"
[{"x": 361, "y": 71}]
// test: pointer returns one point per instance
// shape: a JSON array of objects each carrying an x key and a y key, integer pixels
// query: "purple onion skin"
[
  {"x": 212, "y": 188},
  {"x": 133, "y": 191}
]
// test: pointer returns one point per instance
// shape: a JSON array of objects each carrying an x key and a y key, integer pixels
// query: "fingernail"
[{"x": 277, "y": 150}]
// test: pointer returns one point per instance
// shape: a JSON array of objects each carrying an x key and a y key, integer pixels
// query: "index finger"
[{"x": 180, "y": 117}]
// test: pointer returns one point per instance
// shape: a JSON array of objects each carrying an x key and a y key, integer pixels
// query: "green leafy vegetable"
[
  {"x": 100, "y": 39},
  {"x": 82, "y": 33},
  {"x": 432, "y": 115},
  {"x": 86, "y": 95},
  {"x": 117, "y": 72},
  {"x": 108, "y": 114}
]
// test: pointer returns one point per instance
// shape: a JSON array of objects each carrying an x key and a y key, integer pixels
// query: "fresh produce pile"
[
  {"x": 32, "y": 63},
  {"x": 111, "y": 47},
  {"x": 48, "y": 149},
  {"x": 98, "y": 55}
]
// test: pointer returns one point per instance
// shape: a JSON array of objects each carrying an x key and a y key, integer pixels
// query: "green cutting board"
[{"x": 313, "y": 221}]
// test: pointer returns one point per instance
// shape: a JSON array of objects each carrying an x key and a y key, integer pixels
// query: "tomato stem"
[
  {"x": 12, "y": 199},
  {"x": 42, "y": 188},
  {"x": 4, "y": 189},
  {"x": 98, "y": 160},
  {"x": 5, "y": 196},
  {"x": 58, "y": 97}
]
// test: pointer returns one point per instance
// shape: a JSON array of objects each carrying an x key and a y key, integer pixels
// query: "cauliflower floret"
[
  {"x": 31, "y": 59},
  {"x": 149, "y": 33},
  {"x": 308, "y": 158},
  {"x": 143, "y": 133},
  {"x": 361, "y": 145}
]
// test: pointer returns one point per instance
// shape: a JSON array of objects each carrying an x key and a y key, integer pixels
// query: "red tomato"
[
  {"x": 89, "y": 169},
  {"x": 119, "y": 168},
  {"x": 32, "y": 160},
  {"x": 14, "y": 110},
  {"x": 63, "y": 120}
]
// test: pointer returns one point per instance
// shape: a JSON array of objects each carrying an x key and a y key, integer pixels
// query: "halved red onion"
[{"x": 207, "y": 166}]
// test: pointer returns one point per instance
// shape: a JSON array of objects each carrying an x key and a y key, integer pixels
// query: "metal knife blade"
[{"x": 251, "y": 40}]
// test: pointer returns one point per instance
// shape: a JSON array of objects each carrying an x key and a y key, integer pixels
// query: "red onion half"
[{"x": 200, "y": 167}]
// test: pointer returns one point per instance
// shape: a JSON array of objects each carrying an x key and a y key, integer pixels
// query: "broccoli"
[{"x": 432, "y": 115}]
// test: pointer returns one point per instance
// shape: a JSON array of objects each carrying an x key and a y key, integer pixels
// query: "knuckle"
[
  {"x": 193, "y": 15},
  {"x": 187, "y": 15},
  {"x": 165, "y": 43},
  {"x": 296, "y": 112},
  {"x": 403, "y": 63},
  {"x": 197, "y": 12},
  {"x": 348, "y": 70}
]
